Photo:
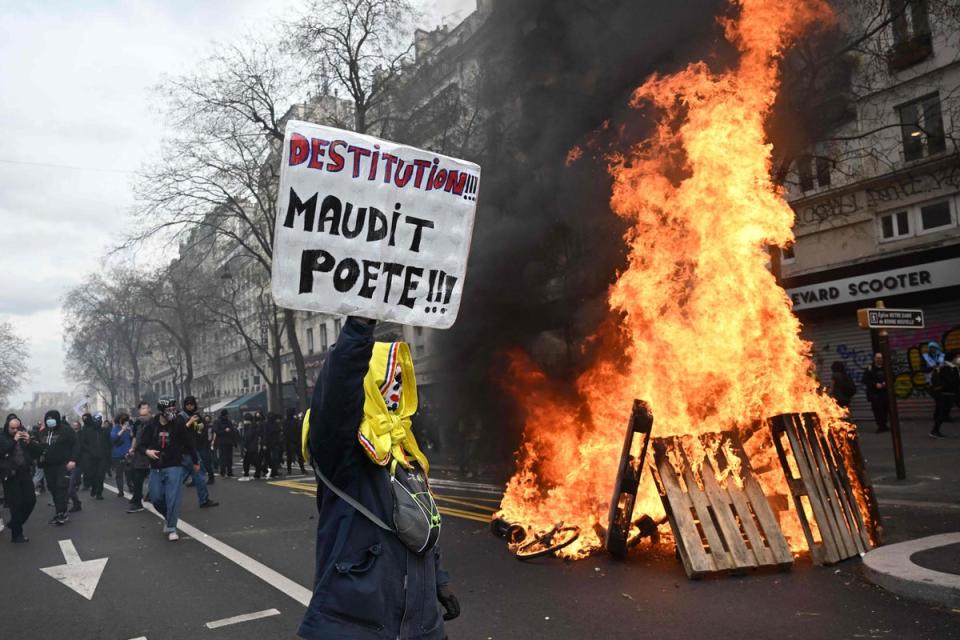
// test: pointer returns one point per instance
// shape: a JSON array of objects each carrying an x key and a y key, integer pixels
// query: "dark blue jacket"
[{"x": 368, "y": 585}]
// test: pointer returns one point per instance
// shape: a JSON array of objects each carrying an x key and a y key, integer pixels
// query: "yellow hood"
[{"x": 387, "y": 435}]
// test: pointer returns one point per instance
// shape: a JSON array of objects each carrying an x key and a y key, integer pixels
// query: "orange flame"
[{"x": 698, "y": 328}]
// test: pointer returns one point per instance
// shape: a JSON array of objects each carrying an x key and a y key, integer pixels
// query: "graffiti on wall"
[{"x": 906, "y": 357}]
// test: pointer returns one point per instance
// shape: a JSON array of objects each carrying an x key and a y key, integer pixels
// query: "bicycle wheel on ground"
[{"x": 548, "y": 543}]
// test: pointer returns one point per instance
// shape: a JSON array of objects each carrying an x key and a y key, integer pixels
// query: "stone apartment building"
[
  {"x": 437, "y": 94},
  {"x": 877, "y": 206}
]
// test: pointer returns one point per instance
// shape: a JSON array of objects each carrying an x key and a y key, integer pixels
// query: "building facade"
[{"x": 877, "y": 206}]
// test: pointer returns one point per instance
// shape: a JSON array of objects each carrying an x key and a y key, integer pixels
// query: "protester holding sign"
[{"x": 370, "y": 582}]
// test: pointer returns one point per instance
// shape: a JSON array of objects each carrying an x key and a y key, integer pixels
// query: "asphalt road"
[{"x": 155, "y": 589}]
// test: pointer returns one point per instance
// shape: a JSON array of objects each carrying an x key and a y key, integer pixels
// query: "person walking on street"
[
  {"x": 875, "y": 384},
  {"x": 121, "y": 436},
  {"x": 207, "y": 454},
  {"x": 38, "y": 481},
  {"x": 370, "y": 581},
  {"x": 166, "y": 441},
  {"x": 95, "y": 449},
  {"x": 18, "y": 451},
  {"x": 226, "y": 440},
  {"x": 273, "y": 443},
  {"x": 60, "y": 452},
  {"x": 195, "y": 428},
  {"x": 139, "y": 462},
  {"x": 944, "y": 386},
  {"x": 842, "y": 387},
  {"x": 252, "y": 436},
  {"x": 76, "y": 476},
  {"x": 293, "y": 440}
]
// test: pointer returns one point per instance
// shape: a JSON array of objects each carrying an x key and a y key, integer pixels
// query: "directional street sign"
[
  {"x": 890, "y": 318},
  {"x": 80, "y": 575}
]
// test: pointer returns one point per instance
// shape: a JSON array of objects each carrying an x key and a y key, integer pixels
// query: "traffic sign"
[{"x": 890, "y": 318}]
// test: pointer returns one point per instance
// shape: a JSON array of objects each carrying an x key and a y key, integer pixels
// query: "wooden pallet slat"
[
  {"x": 620, "y": 518},
  {"x": 678, "y": 507},
  {"x": 825, "y": 482},
  {"x": 717, "y": 526},
  {"x": 824, "y": 487},
  {"x": 849, "y": 519}
]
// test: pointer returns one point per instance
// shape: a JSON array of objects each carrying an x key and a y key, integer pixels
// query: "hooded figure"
[
  {"x": 60, "y": 453},
  {"x": 368, "y": 584},
  {"x": 18, "y": 450},
  {"x": 95, "y": 447}
]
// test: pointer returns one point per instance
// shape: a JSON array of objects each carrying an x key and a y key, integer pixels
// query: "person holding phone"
[{"x": 18, "y": 451}]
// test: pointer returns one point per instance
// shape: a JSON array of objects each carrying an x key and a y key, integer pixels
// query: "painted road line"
[
  {"x": 466, "y": 515},
  {"x": 484, "y": 508},
  {"x": 247, "y": 617},
  {"x": 475, "y": 487},
  {"x": 277, "y": 580},
  {"x": 921, "y": 504}
]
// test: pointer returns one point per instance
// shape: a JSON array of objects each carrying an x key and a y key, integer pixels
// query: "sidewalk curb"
[{"x": 891, "y": 568}]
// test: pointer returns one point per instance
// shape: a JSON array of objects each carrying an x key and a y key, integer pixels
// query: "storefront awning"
[
  {"x": 251, "y": 401},
  {"x": 220, "y": 405}
]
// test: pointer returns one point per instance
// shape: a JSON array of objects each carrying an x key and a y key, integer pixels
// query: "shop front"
[{"x": 826, "y": 304}]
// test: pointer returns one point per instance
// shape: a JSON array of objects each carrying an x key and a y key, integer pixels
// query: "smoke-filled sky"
[{"x": 77, "y": 119}]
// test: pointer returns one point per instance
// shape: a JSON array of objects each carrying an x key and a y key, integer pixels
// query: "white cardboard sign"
[{"x": 371, "y": 228}]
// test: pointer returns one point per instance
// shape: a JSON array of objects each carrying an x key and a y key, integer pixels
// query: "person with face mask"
[
  {"x": 372, "y": 580},
  {"x": 18, "y": 451},
  {"x": 60, "y": 452},
  {"x": 165, "y": 441}
]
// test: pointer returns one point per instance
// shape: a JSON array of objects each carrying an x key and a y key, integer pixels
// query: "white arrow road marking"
[
  {"x": 216, "y": 624},
  {"x": 81, "y": 576}
]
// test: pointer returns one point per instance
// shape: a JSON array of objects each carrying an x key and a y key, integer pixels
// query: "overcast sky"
[{"x": 76, "y": 121}]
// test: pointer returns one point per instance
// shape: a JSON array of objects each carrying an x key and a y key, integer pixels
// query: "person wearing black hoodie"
[
  {"x": 18, "y": 450},
  {"x": 92, "y": 458},
  {"x": 292, "y": 436},
  {"x": 272, "y": 445},
  {"x": 252, "y": 436},
  {"x": 60, "y": 453},
  {"x": 201, "y": 444},
  {"x": 226, "y": 440},
  {"x": 165, "y": 441}
]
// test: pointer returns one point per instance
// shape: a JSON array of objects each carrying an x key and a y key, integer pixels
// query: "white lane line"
[
  {"x": 216, "y": 624},
  {"x": 140, "y": 638},
  {"x": 277, "y": 580}
]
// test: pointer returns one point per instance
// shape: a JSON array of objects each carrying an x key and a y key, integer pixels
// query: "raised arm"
[{"x": 337, "y": 406}]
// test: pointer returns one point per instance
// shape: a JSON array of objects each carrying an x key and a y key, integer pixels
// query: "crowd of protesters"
[{"x": 165, "y": 448}]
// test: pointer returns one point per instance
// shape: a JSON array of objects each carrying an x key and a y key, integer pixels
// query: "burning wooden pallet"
[
  {"x": 632, "y": 460},
  {"x": 719, "y": 526},
  {"x": 819, "y": 481}
]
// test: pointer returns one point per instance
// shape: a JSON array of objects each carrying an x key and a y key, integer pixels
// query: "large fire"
[{"x": 698, "y": 326}]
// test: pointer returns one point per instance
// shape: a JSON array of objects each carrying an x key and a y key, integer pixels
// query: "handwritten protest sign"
[{"x": 371, "y": 228}]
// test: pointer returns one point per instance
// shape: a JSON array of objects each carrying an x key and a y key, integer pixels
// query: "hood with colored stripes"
[{"x": 390, "y": 399}]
